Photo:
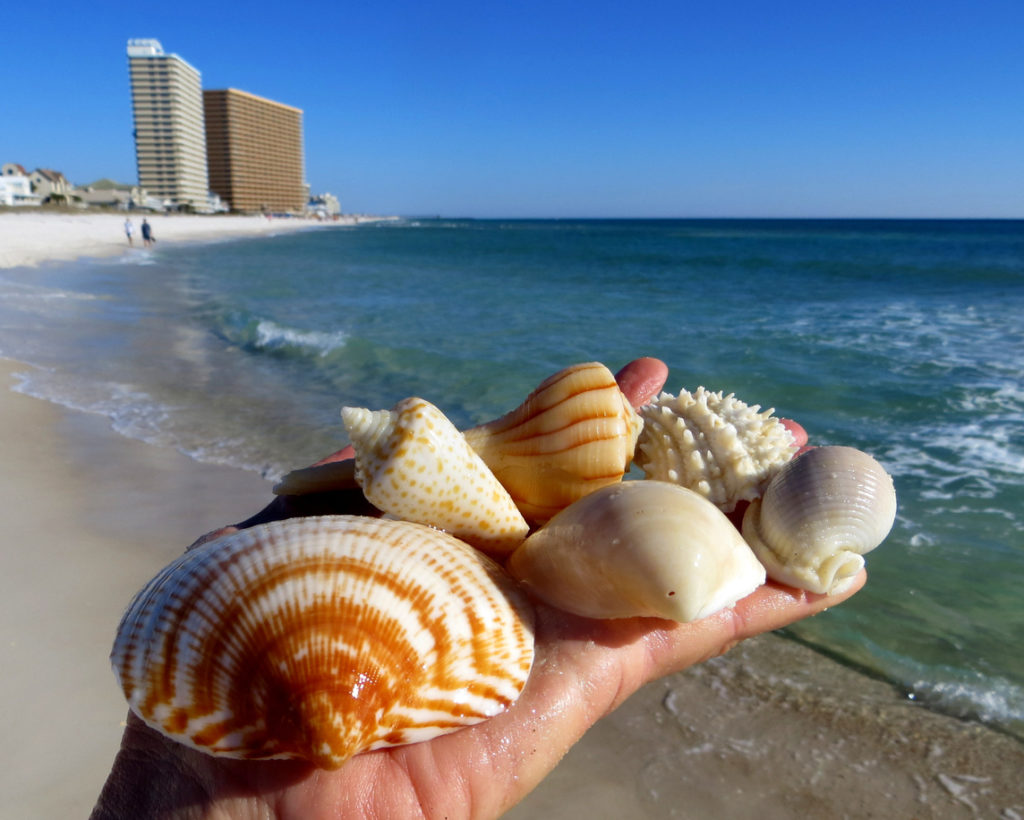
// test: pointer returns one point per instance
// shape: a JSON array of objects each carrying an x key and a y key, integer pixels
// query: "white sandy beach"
[
  {"x": 30, "y": 237},
  {"x": 771, "y": 731}
]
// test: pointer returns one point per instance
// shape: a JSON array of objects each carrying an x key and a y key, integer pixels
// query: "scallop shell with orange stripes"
[{"x": 319, "y": 638}]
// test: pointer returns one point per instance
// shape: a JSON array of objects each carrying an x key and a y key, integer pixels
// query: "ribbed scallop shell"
[
  {"x": 715, "y": 445},
  {"x": 575, "y": 433},
  {"x": 413, "y": 463},
  {"x": 820, "y": 514},
  {"x": 319, "y": 638},
  {"x": 639, "y": 548}
]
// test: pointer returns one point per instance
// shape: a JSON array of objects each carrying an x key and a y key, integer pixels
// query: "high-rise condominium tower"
[
  {"x": 170, "y": 143},
  {"x": 254, "y": 151}
]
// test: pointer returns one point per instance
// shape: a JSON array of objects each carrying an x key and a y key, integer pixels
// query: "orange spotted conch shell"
[{"x": 413, "y": 463}]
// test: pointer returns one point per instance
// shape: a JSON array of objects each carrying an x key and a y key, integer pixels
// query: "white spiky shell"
[
  {"x": 639, "y": 548},
  {"x": 820, "y": 515},
  {"x": 715, "y": 445},
  {"x": 319, "y": 638},
  {"x": 413, "y": 463}
]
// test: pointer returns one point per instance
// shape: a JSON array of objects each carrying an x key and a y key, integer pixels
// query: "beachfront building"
[
  {"x": 16, "y": 191},
  {"x": 51, "y": 185},
  {"x": 106, "y": 193},
  {"x": 167, "y": 108},
  {"x": 254, "y": 152},
  {"x": 324, "y": 205}
]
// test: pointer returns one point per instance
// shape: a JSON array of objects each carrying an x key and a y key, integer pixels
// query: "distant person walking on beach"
[
  {"x": 128, "y": 229},
  {"x": 147, "y": 234}
]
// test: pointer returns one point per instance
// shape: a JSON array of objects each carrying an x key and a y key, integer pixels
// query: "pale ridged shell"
[
  {"x": 575, "y": 433},
  {"x": 413, "y": 463},
  {"x": 820, "y": 514},
  {"x": 715, "y": 445},
  {"x": 319, "y": 638},
  {"x": 639, "y": 548}
]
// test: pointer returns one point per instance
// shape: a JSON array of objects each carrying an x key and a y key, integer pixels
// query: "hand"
[{"x": 583, "y": 670}]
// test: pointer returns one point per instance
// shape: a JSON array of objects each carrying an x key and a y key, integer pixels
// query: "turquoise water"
[{"x": 903, "y": 338}]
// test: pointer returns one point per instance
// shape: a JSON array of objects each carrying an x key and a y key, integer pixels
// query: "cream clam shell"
[
  {"x": 819, "y": 516},
  {"x": 639, "y": 548},
  {"x": 319, "y": 638},
  {"x": 413, "y": 463}
]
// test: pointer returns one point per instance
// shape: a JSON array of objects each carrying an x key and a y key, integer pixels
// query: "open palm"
[{"x": 583, "y": 670}]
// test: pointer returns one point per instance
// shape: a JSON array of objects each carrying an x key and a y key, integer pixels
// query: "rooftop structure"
[
  {"x": 254, "y": 151},
  {"x": 167, "y": 107}
]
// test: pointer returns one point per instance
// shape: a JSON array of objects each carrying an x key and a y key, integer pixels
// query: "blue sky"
[{"x": 558, "y": 108}]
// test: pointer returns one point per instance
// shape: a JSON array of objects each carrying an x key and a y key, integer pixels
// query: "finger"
[
  {"x": 770, "y": 607},
  {"x": 799, "y": 433},
  {"x": 343, "y": 454},
  {"x": 642, "y": 379}
]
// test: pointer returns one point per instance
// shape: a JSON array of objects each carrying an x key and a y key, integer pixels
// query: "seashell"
[
  {"x": 638, "y": 548},
  {"x": 319, "y": 638},
  {"x": 320, "y": 478},
  {"x": 820, "y": 514},
  {"x": 715, "y": 445},
  {"x": 413, "y": 463},
  {"x": 575, "y": 433}
]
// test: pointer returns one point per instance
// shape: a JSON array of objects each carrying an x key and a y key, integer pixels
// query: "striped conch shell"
[
  {"x": 575, "y": 433},
  {"x": 819, "y": 516},
  {"x": 638, "y": 548},
  {"x": 319, "y": 638},
  {"x": 414, "y": 464},
  {"x": 715, "y": 445}
]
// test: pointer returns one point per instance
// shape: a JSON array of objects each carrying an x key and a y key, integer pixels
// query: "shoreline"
[
  {"x": 30, "y": 238},
  {"x": 89, "y": 516},
  {"x": 771, "y": 731}
]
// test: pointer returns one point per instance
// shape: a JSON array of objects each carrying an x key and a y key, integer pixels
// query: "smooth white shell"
[
  {"x": 639, "y": 548},
  {"x": 413, "y": 463},
  {"x": 715, "y": 445},
  {"x": 319, "y": 638},
  {"x": 820, "y": 514}
]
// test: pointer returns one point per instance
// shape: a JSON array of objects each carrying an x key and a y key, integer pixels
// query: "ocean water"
[{"x": 902, "y": 338}]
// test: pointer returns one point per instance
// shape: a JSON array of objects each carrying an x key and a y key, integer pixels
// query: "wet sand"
[
  {"x": 771, "y": 730},
  {"x": 88, "y": 516},
  {"x": 776, "y": 731}
]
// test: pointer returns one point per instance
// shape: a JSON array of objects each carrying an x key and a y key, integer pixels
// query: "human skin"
[{"x": 582, "y": 671}]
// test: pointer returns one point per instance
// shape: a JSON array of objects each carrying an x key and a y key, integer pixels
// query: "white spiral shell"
[
  {"x": 715, "y": 445},
  {"x": 319, "y": 638}
]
